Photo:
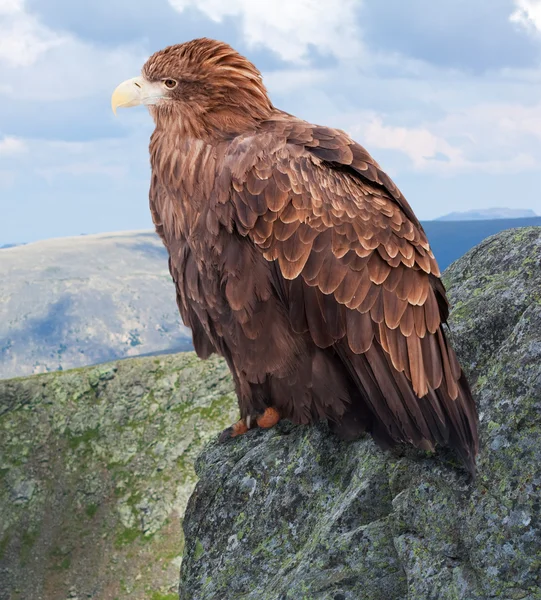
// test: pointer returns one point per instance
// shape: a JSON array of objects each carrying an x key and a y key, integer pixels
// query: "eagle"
[{"x": 296, "y": 258}]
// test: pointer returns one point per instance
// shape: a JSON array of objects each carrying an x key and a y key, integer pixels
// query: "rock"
[
  {"x": 22, "y": 491},
  {"x": 96, "y": 468},
  {"x": 293, "y": 513}
]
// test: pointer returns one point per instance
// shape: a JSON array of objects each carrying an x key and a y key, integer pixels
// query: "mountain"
[
  {"x": 5, "y": 246},
  {"x": 97, "y": 464},
  {"x": 489, "y": 214},
  {"x": 293, "y": 513},
  {"x": 82, "y": 300}
]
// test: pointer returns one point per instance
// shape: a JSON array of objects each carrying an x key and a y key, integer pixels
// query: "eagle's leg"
[{"x": 269, "y": 418}]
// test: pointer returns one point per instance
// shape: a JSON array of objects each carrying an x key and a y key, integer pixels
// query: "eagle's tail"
[{"x": 398, "y": 415}]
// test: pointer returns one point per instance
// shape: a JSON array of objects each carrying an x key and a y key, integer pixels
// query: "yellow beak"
[{"x": 136, "y": 91}]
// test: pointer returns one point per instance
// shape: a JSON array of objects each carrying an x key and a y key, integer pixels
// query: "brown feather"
[
  {"x": 378, "y": 269},
  {"x": 346, "y": 290},
  {"x": 432, "y": 361},
  {"x": 407, "y": 322},
  {"x": 374, "y": 293},
  {"x": 283, "y": 231},
  {"x": 397, "y": 348},
  {"x": 363, "y": 287},
  {"x": 359, "y": 331},
  {"x": 394, "y": 308},
  {"x": 418, "y": 376},
  {"x": 331, "y": 275},
  {"x": 377, "y": 311},
  {"x": 419, "y": 320},
  {"x": 432, "y": 312}
]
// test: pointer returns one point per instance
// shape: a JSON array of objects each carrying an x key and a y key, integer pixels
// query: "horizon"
[{"x": 440, "y": 219}]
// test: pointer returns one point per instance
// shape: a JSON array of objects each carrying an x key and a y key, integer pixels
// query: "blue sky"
[{"x": 446, "y": 95}]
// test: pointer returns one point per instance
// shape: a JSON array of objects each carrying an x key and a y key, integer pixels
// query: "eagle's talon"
[
  {"x": 225, "y": 435},
  {"x": 238, "y": 428},
  {"x": 266, "y": 420}
]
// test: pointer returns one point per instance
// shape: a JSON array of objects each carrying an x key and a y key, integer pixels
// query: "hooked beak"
[{"x": 135, "y": 91}]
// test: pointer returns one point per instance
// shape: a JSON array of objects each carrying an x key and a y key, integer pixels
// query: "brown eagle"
[{"x": 297, "y": 259}]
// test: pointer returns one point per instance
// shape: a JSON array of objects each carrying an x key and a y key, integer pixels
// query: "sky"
[{"x": 445, "y": 95}]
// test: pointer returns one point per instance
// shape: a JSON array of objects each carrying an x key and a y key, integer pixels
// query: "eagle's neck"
[
  {"x": 213, "y": 126},
  {"x": 184, "y": 172}
]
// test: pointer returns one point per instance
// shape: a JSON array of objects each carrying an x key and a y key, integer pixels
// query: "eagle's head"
[{"x": 203, "y": 86}]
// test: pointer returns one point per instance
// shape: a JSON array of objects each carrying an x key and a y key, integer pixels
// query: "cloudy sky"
[{"x": 446, "y": 95}]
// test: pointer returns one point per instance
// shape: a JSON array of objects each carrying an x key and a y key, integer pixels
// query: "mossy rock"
[{"x": 96, "y": 468}]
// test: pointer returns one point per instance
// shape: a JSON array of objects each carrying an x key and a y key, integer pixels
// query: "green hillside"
[{"x": 96, "y": 467}]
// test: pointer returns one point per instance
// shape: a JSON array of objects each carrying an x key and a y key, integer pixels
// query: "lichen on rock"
[
  {"x": 293, "y": 513},
  {"x": 96, "y": 468}
]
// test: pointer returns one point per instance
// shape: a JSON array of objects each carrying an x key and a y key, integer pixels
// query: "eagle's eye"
[{"x": 170, "y": 84}]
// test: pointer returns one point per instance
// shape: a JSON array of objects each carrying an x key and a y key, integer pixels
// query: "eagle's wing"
[{"x": 356, "y": 272}]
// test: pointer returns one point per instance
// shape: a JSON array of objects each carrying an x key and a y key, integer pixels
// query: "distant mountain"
[
  {"x": 489, "y": 214},
  {"x": 83, "y": 300},
  {"x": 5, "y": 246},
  {"x": 87, "y": 299},
  {"x": 451, "y": 239}
]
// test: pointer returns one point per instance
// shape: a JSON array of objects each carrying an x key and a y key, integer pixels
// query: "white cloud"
[
  {"x": 528, "y": 14},
  {"x": 9, "y": 7},
  {"x": 487, "y": 138},
  {"x": 289, "y": 27},
  {"x": 418, "y": 143},
  {"x": 291, "y": 80},
  {"x": 22, "y": 38},
  {"x": 422, "y": 119},
  {"x": 39, "y": 64},
  {"x": 11, "y": 145},
  {"x": 73, "y": 71}
]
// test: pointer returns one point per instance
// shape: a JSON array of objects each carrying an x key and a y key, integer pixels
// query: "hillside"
[
  {"x": 96, "y": 467},
  {"x": 84, "y": 300}
]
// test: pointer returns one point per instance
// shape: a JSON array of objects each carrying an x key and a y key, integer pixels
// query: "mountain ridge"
[
  {"x": 83, "y": 300},
  {"x": 488, "y": 214},
  {"x": 69, "y": 302}
]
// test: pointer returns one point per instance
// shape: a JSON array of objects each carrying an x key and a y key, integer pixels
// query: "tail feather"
[{"x": 398, "y": 415}]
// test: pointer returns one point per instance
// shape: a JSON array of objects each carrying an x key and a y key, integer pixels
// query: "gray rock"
[
  {"x": 293, "y": 513},
  {"x": 22, "y": 491}
]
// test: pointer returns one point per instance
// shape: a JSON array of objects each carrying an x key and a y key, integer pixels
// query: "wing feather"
[{"x": 360, "y": 275}]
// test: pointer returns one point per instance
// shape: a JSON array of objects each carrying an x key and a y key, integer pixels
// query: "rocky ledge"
[{"x": 293, "y": 513}]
